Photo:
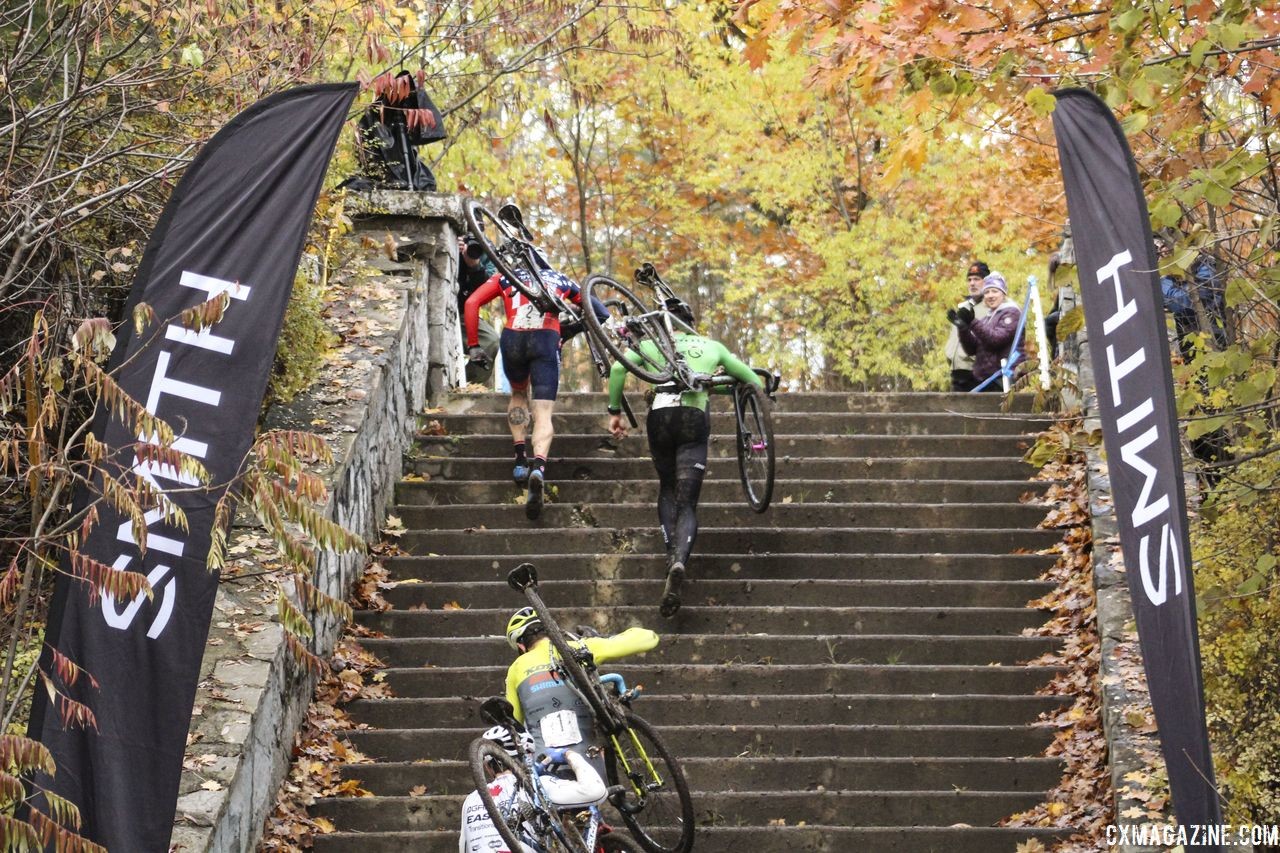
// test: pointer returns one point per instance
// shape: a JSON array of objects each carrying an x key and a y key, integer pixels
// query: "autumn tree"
[{"x": 1197, "y": 88}]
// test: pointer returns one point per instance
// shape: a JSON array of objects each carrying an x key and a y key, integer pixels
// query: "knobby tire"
[
  {"x": 755, "y": 445},
  {"x": 662, "y": 819},
  {"x": 479, "y": 219},
  {"x": 621, "y": 300}
]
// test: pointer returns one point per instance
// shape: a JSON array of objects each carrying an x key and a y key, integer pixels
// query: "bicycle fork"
[{"x": 641, "y": 787}]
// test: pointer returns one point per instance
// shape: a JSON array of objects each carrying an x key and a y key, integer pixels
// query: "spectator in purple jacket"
[{"x": 990, "y": 339}]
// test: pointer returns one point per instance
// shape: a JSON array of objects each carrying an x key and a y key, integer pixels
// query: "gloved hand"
[
  {"x": 960, "y": 317},
  {"x": 476, "y": 355}
]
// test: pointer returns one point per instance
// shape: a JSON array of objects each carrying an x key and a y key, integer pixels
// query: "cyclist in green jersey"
[{"x": 679, "y": 427}]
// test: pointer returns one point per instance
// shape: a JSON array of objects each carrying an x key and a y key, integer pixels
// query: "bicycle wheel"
[
  {"x": 629, "y": 324},
  {"x": 616, "y": 842},
  {"x": 755, "y": 445},
  {"x": 503, "y": 245},
  {"x": 655, "y": 805}
]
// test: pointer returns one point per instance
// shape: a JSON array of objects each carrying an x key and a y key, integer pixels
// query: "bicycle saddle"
[
  {"x": 497, "y": 711},
  {"x": 510, "y": 214},
  {"x": 522, "y": 577}
]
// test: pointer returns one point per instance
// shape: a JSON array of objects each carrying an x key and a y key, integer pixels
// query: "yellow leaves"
[
  {"x": 908, "y": 155},
  {"x": 757, "y": 51},
  {"x": 19, "y": 754},
  {"x": 1040, "y": 101},
  {"x": 192, "y": 56}
]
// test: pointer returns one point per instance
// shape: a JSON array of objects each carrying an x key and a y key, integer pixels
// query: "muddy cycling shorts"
[{"x": 532, "y": 358}]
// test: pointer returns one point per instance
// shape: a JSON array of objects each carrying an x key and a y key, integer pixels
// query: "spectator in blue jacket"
[{"x": 1179, "y": 295}]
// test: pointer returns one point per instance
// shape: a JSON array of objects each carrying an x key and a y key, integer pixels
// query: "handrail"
[{"x": 1006, "y": 366}]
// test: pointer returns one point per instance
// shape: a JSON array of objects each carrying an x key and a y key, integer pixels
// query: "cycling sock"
[
  {"x": 518, "y": 447},
  {"x": 539, "y": 463}
]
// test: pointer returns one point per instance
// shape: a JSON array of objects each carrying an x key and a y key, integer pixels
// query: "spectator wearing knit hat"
[
  {"x": 990, "y": 339},
  {"x": 967, "y": 310}
]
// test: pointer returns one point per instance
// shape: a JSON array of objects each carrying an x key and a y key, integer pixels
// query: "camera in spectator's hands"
[
  {"x": 472, "y": 248},
  {"x": 960, "y": 317}
]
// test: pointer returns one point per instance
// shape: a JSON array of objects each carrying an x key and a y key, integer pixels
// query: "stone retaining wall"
[{"x": 401, "y": 347}]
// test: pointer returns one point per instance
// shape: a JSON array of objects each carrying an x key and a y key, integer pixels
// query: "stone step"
[
  {"x": 757, "y": 839},
  {"x": 809, "y": 401},
  {"x": 702, "y": 592},
  {"x": 741, "y": 648},
  {"x": 784, "y": 423},
  {"x": 723, "y": 445},
  {"x": 566, "y": 469},
  {"x": 755, "y": 808},
  {"x": 524, "y": 542},
  {"x": 791, "y": 515},
  {"x": 728, "y": 489},
  {"x": 775, "y": 621},
  {"x": 861, "y": 679},
  {"x": 731, "y": 710},
  {"x": 731, "y": 566},
  {"x": 691, "y": 741},
  {"x": 765, "y": 774}
]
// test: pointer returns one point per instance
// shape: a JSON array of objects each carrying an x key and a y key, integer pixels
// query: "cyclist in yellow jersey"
[{"x": 543, "y": 699}]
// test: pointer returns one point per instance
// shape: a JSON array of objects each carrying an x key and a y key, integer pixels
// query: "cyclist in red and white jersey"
[{"x": 530, "y": 346}]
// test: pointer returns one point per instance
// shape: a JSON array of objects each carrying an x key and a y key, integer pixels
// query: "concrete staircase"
[{"x": 846, "y": 673}]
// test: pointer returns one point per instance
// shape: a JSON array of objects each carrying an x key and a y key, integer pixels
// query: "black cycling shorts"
[
  {"x": 532, "y": 357},
  {"x": 678, "y": 438}
]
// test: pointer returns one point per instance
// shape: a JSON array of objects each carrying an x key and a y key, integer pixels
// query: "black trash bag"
[{"x": 388, "y": 146}]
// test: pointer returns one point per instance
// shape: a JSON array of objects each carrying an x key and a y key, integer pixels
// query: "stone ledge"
[{"x": 252, "y": 695}]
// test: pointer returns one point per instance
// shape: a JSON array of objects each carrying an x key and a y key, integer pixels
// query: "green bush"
[
  {"x": 1239, "y": 591},
  {"x": 303, "y": 341}
]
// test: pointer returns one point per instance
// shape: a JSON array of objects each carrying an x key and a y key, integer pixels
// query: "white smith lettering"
[
  {"x": 165, "y": 386},
  {"x": 1151, "y": 508}
]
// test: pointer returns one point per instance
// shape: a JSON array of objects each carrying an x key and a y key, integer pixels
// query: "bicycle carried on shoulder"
[
  {"x": 509, "y": 243},
  {"x": 659, "y": 362},
  {"x": 527, "y": 819},
  {"x": 647, "y": 785}
]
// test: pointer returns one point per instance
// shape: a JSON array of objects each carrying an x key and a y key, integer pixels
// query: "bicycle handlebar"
[{"x": 724, "y": 380}]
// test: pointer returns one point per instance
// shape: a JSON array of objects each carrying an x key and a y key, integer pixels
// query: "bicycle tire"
[
  {"x": 605, "y": 716},
  {"x": 754, "y": 424},
  {"x": 483, "y": 225},
  {"x": 612, "y": 293},
  {"x": 616, "y": 842},
  {"x": 518, "y": 815},
  {"x": 658, "y": 822}
]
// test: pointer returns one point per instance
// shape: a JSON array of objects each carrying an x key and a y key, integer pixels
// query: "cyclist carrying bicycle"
[
  {"x": 544, "y": 700},
  {"x": 679, "y": 428},
  {"x": 530, "y": 346},
  {"x": 586, "y": 788}
]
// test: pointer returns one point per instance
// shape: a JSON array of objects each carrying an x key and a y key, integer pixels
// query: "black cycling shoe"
[
  {"x": 533, "y": 503},
  {"x": 671, "y": 592}
]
